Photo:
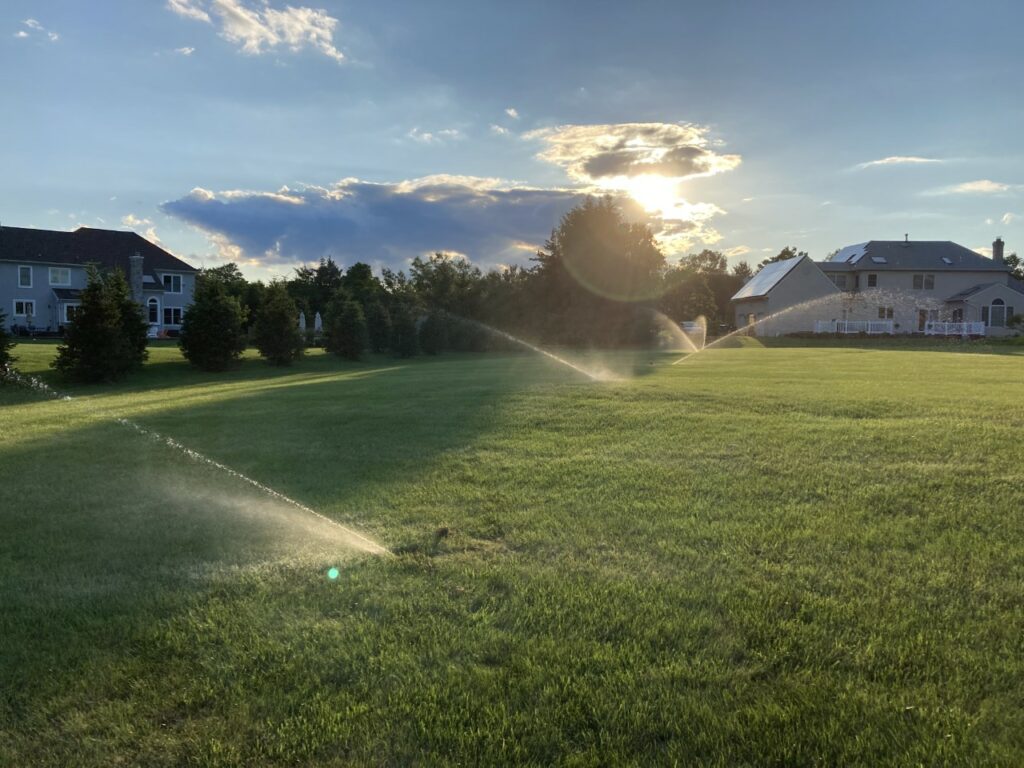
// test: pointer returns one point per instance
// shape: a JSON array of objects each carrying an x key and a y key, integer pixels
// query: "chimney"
[
  {"x": 135, "y": 276},
  {"x": 997, "y": 251}
]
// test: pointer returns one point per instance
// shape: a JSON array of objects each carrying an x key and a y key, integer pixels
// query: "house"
[
  {"x": 43, "y": 272},
  {"x": 882, "y": 286}
]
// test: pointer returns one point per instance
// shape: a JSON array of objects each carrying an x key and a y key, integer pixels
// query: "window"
[
  {"x": 60, "y": 276},
  {"x": 153, "y": 307},
  {"x": 24, "y": 277},
  {"x": 924, "y": 282},
  {"x": 958, "y": 315},
  {"x": 70, "y": 310},
  {"x": 996, "y": 314},
  {"x": 872, "y": 281},
  {"x": 172, "y": 315},
  {"x": 24, "y": 308},
  {"x": 885, "y": 313},
  {"x": 840, "y": 281},
  {"x": 172, "y": 283}
]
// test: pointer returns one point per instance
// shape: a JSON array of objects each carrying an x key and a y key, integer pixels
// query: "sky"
[{"x": 273, "y": 135}]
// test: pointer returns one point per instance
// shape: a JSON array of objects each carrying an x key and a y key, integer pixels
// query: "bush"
[
  {"x": 276, "y": 331},
  {"x": 433, "y": 334},
  {"x": 103, "y": 344},
  {"x": 345, "y": 331},
  {"x": 6, "y": 344},
  {"x": 211, "y": 330},
  {"x": 378, "y": 321},
  {"x": 403, "y": 331}
]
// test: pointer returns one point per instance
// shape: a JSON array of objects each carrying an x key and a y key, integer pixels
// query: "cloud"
[
  {"x": 133, "y": 221},
  {"x": 264, "y": 29},
  {"x": 491, "y": 220},
  {"x": 739, "y": 250},
  {"x": 185, "y": 51},
  {"x": 512, "y": 112},
  {"x": 609, "y": 155},
  {"x": 21, "y": 33},
  {"x": 499, "y": 130},
  {"x": 1009, "y": 218},
  {"x": 899, "y": 160},
  {"x": 35, "y": 26},
  {"x": 979, "y": 187},
  {"x": 436, "y": 137}
]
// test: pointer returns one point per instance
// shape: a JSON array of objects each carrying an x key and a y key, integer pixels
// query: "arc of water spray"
[{"x": 368, "y": 544}]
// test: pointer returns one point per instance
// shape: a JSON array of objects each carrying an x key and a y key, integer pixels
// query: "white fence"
[
  {"x": 954, "y": 329},
  {"x": 854, "y": 326}
]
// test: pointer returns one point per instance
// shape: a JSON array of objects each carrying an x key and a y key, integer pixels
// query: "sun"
[{"x": 656, "y": 194}]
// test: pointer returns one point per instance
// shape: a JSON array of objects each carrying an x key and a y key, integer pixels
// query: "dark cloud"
[{"x": 384, "y": 224}]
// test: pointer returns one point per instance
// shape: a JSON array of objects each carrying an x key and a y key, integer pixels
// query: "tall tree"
[
  {"x": 707, "y": 262},
  {"x": 276, "y": 330},
  {"x": 403, "y": 331},
  {"x": 378, "y": 322},
  {"x": 211, "y": 330},
  {"x": 134, "y": 325},
  {"x": 743, "y": 271},
  {"x": 345, "y": 331},
  {"x": 788, "y": 252}
]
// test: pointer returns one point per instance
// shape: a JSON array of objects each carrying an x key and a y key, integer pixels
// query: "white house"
[
  {"x": 43, "y": 272},
  {"x": 934, "y": 287}
]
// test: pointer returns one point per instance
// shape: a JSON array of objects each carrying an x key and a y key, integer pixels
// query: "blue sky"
[{"x": 269, "y": 134}]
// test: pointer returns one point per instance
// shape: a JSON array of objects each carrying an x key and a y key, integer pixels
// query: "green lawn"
[{"x": 761, "y": 556}]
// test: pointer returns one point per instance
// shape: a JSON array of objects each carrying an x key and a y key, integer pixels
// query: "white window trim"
[
  {"x": 159, "y": 311},
  {"x": 163, "y": 315},
  {"x": 23, "y": 302},
  {"x": 181, "y": 283},
  {"x": 31, "y": 275},
  {"x": 49, "y": 275},
  {"x": 64, "y": 311}
]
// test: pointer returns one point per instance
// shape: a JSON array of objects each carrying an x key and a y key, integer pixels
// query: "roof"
[
  {"x": 1014, "y": 285},
  {"x": 767, "y": 278},
  {"x": 104, "y": 247},
  {"x": 932, "y": 255},
  {"x": 67, "y": 294}
]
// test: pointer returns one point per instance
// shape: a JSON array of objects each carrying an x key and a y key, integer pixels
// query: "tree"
[
  {"x": 447, "y": 283},
  {"x": 433, "y": 334},
  {"x": 1016, "y": 265},
  {"x": 345, "y": 331},
  {"x": 378, "y": 322},
  {"x": 276, "y": 330},
  {"x": 706, "y": 262},
  {"x": 743, "y": 271},
  {"x": 689, "y": 298},
  {"x": 314, "y": 288},
  {"x": 134, "y": 326},
  {"x": 6, "y": 345},
  {"x": 361, "y": 284},
  {"x": 100, "y": 344},
  {"x": 211, "y": 330},
  {"x": 403, "y": 331}
]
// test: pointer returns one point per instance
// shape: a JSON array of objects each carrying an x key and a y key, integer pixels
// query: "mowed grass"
[{"x": 761, "y": 556}]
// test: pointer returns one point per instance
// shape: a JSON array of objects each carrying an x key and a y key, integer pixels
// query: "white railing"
[
  {"x": 954, "y": 329},
  {"x": 854, "y": 326}
]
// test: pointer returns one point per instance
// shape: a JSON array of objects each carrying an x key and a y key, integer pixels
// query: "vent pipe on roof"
[
  {"x": 997, "y": 251},
  {"x": 906, "y": 239}
]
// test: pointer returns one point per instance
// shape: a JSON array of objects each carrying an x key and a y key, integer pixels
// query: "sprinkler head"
[{"x": 441, "y": 533}]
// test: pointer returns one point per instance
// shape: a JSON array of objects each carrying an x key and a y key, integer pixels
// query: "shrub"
[
  {"x": 6, "y": 344},
  {"x": 276, "y": 332},
  {"x": 211, "y": 330},
  {"x": 102, "y": 343},
  {"x": 345, "y": 331},
  {"x": 378, "y": 321},
  {"x": 403, "y": 331},
  {"x": 433, "y": 334}
]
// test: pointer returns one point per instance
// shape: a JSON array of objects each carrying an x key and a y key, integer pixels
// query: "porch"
[{"x": 871, "y": 327}]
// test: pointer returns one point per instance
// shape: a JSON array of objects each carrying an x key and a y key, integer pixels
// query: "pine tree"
[
  {"x": 433, "y": 334},
  {"x": 95, "y": 346},
  {"x": 133, "y": 322},
  {"x": 6, "y": 344},
  {"x": 211, "y": 330},
  {"x": 378, "y": 321},
  {"x": 403, "y": 331},
  {"x": 345, "y": 331},
  {"x": 276, "y": 330}
]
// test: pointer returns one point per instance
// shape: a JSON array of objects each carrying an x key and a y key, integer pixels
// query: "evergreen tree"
[
  {"x": 96, "y": 347},
  {"x": 403, "y": 331},
  {"x": 6, "y": 344},
  {"x": 277, "y": 333},
  {"x": 378, "y": 322},
  {"x": 345, "y": 331},
  {"x": 134, "y": 326},
  {"x": 433, "y": 334},
  {"x": 211, "y": 330}
]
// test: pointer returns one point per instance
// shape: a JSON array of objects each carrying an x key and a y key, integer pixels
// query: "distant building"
[
  {"x": 935, "y": 287},
  {"x": 43, "y": 272}
]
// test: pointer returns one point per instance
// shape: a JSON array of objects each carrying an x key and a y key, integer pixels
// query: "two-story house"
[
  {"x": 884, "y": 287},
  {"x": 43, "y": 272}
]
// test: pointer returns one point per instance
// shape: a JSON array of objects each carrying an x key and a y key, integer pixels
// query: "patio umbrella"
[
  {"x": 302, "y": 321},
  {"x": 318, "y": 323}
]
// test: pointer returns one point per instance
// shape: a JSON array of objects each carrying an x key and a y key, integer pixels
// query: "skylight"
[
  {"x": 879, "y": 259},
  {"x": 947, "y": 260}
]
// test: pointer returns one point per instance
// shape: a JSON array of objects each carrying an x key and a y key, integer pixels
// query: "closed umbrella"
[{"x": 302, "y": 321}]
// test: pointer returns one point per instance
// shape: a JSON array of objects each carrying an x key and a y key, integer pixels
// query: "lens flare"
[{"x": 332, "y": 574}]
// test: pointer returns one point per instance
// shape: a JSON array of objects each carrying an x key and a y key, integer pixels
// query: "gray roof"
[
  {"x": 104, "y": 247},
  {"x": 767, "y": 278},
  {"x": 1015, "y": 285},
  {"x": 67, "y": 294},
  {"x": 923, "y": 255}
]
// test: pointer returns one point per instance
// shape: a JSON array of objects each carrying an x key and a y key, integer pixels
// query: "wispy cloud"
[
  {"x": 611, "y": 154},
  {"x": 134, "y": 222},
  {"x": 979, "y": 187},
  {"x": 21, "y": 33},
  {"x": 899, "y": 160},
  {"x": 185, "y": 51},
  {"x": 434, "y": 137},
  {"x": 36, "y": 27},
  {"x": 499, "y": 130},
  {"x": 1009, "y": 218},
  {"x": 512, "y": 112},
  {"x": 262, "y": 29}
]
